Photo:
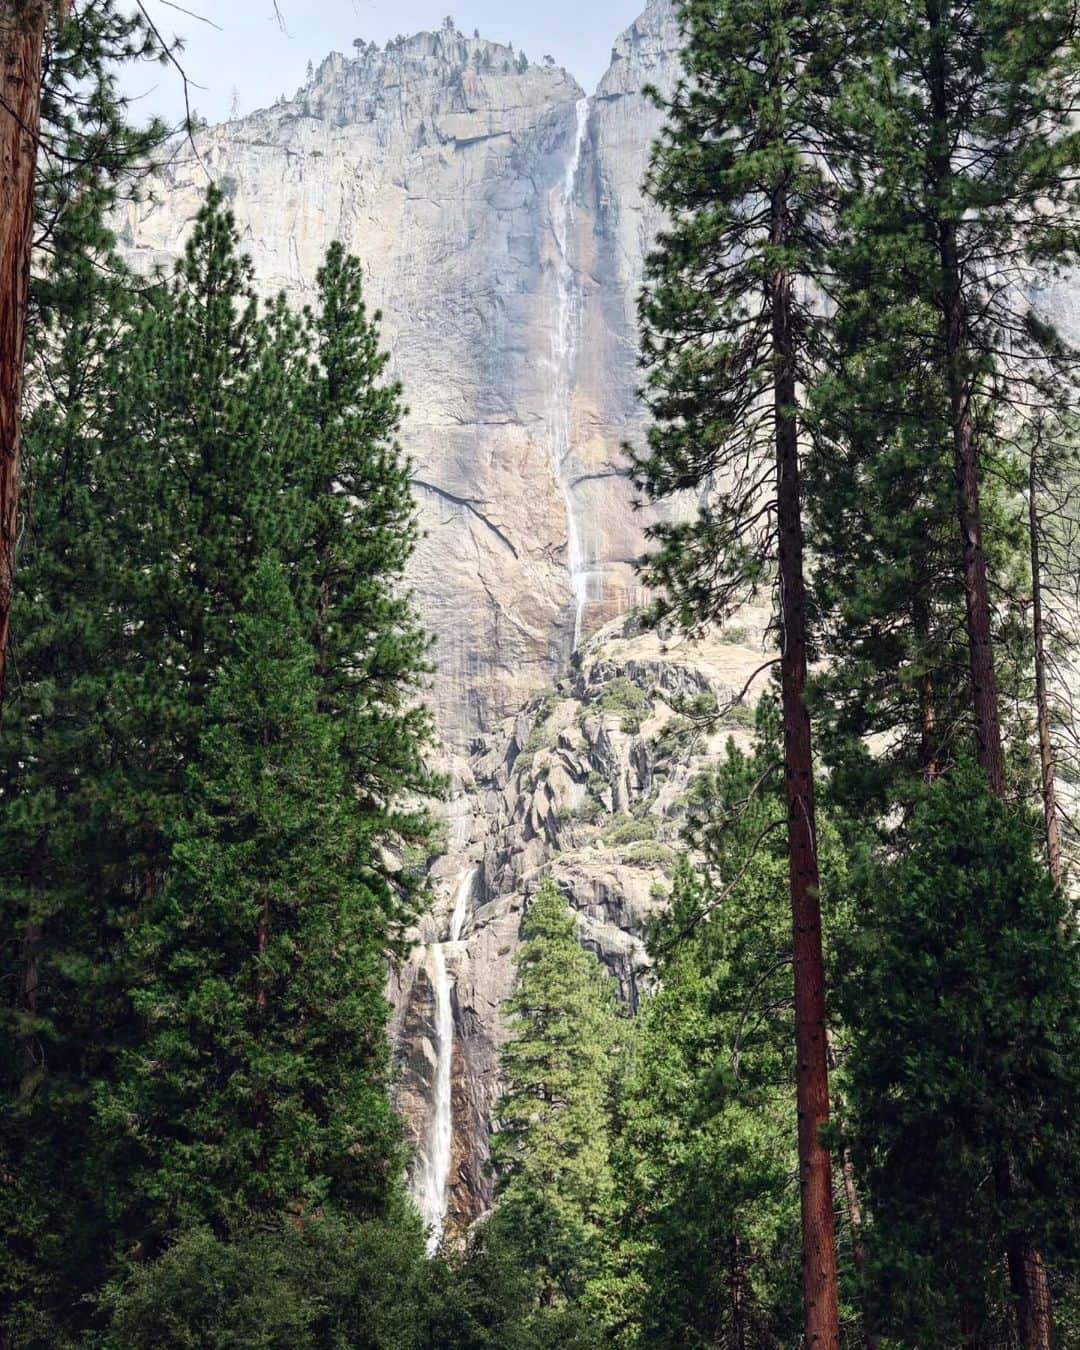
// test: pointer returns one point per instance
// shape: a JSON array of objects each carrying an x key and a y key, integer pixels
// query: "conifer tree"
[
  {"x": 360, "y": 531},
  {"x": 62, "y": 865},
  {"x": 730, "y": 335},
  {"x": 174, "y": 454},
  {"x": 196, "y": 448},
  {"x": 259, "y": 1083},
  {"x": 69, "y": 153},
  {"x": 966, "y": 129},
  {"x": 963, "y": 1012},
  {"x": 706, "y": 1147},
  {"x": 552, "y": 1148}
]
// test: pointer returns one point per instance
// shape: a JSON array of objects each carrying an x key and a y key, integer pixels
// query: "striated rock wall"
[{"x": 499, "y": 217}]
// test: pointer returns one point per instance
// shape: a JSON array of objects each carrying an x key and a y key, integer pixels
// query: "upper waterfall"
[{"x": 564, "y": 341}]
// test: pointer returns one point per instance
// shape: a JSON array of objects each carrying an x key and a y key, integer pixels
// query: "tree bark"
[
  {"x": 930, "y": 742},
  {"x": 1042, "y": 704},
  {"x": 1035, "y": 1313},
  {"x": 984, "y": 685},
  {"x": 854, "y": 1208},
  {"x": 812, "y": 1069},
  {"x": 1031, "y": 1291},
  {"x": 1027, "y": 1271},
  {"x": 22, "y": 39}
]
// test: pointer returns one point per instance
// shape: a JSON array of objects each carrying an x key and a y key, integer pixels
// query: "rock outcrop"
[{"x": 588, "y": 784}]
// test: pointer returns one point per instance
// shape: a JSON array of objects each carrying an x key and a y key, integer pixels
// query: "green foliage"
[
  {"x": 326, "y": 1283},
  {"x": 259, "y": 1082},
  {"x": 749, "y": 119},
  {"x": 538, "y": 736},
  {"x": 707, "y": 1206},
  {"x": 631, "y": 830},
  {"x": 964, "y": 1013},
  {"x": 649, "y": 854},
  {"x": 882, "y": 491},
  {"x": 552, "y": 1148},
  {"x": 166, "y": 770},
  {"x": 629, "y": 701},
  {"x": 707, "y": 1146}
]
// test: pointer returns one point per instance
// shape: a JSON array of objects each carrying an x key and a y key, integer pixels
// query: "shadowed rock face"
[{"x": 500, "y": 222}]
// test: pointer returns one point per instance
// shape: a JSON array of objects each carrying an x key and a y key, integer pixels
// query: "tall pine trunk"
[
  {"x": 930, "y": 738},
  {"x": 1027, "y": 1270},
  {"x": 821, "y": 1301},
  {"x": 1042, "y": 703},
  {"x": 984, "y": 685},
  {"x": 22, "y": 38}
]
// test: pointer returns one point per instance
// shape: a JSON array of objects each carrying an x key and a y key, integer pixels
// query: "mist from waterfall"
[
  {"x": 431, "y": 1179},
  {"x": 564, "y": 341}
]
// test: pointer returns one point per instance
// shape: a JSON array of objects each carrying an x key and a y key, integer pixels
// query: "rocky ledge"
[{"x": 588, "y": 784}]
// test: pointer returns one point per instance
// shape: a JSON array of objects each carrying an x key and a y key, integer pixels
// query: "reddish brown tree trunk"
[
  {"x": 812, "y": 1069},
  {"x": 1031, "y": 1292},
  {"x": 22, "y": 38},
  {"x": 1027, "y": 1270},
  {"x": 858, "y": 1246},
  {"x": 1042, "y": 703},
  {"x": 1035, "y": 1313}
]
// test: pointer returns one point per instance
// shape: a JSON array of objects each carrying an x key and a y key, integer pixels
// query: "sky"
[{"x": 243, "y": 51}]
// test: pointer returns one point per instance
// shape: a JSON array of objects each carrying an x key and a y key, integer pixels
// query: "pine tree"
[
  {"x": 69, "y": 153},
  {"x": 215, "y": 476},
  {"x": 707, "y": 1143},
  {"x": 360, "y": 531},
  {"x": 552, "y": 1147},
  {"x": 62, "y": 867},
  {"x": 963, "y": 1010},
  {"x": 178, "y": 448},
  {"x": 730, "y": 334},
  {"x": 706, "y": 1148},
  {"x": 967, "y": 134},
  {"x": 260, "y": 1081}
]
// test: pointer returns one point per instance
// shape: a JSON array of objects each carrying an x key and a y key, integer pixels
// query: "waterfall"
[
  {"x": 431, "y": 1179},
  {"x": 564, "y": 341}
]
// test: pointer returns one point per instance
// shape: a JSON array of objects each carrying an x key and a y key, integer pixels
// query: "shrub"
[
  {"x": 628, "y": 830},
  {"x": 627, "y": 699}
]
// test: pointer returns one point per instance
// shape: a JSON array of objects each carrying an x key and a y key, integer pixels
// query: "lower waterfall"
[{"x": 431, "y": 1180}]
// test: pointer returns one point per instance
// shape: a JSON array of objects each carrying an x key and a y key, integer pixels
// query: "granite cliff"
[
  {"x": 499, "y": 213},
  {"x": 499, "y": 216}
]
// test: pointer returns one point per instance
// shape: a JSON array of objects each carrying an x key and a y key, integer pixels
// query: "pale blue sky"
[{"x": 249, "y": 53}]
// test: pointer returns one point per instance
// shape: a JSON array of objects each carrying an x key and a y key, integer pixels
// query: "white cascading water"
[
  {"x": 564, "y": 339},
  {"x": 431, "y": 1180}
]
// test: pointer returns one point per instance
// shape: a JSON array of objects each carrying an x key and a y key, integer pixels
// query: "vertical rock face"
[
  {"x": 501, "y": 221},
  {"x": 499, "y": 217},
  {"x": 615, "y": 229}
]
